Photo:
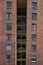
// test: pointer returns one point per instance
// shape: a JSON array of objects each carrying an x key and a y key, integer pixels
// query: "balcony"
[
  {"x": 21, "y": 30},
  {"x": 21, "y": 21},
  {"x": 21, "y": 55},
  {"x": 21, "y": 12}
]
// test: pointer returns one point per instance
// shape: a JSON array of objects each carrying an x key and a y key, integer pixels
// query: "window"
[
  {"x": 23, "y": 29},
  {"x": 34, "y": 5},
  {"x": 34, "y": 37},
  {"x": 18, "y": 47},
  {"x": 9, "y": 16},
  {"x": 19, "y": 55},
  {"x": 9, "y": 26},
  {"x": 24, "y": 46},
  {"x": 33, "y": 58},
  {"x": 19, "y": 11},
  {"x": 23, "y": 21},
  {"x": 34, "y": 26},
  {"x": 8, "y": 47},
  {"x": 9, "y": 5},
  {"x": 8, "y": 58},
  {"x": 9, "y": 37},
  {"x": 33, "y": 48},
  {"x": 18, "y": 62},
  {"x": 34, "y": 16},
  {"x": 23, "y": 55},
  {"x": 19, "y": 21},
  {"x": 23, "y": 62},
  {"x": 24, "y": 11}
]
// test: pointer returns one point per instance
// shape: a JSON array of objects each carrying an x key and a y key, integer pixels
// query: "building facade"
[{"x": 21, "y": 32}]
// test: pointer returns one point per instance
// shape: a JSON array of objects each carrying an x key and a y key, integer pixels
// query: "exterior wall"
[
  {"x": 39, "y": 32},
  {"x": 3, "y": 32}
]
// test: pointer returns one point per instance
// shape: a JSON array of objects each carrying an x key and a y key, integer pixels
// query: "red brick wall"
[
  {"x": 39, "y": 32},
  {"x": 3, "y": 32}
]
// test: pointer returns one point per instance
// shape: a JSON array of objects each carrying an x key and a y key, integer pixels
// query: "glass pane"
[
  {"x": 34, "y": 5},
  {"x": 9, "y": 4},
  {"x": 8, "y": 47},
  {"x": 9, "y": 26},
  {"x": 34, "y": 16},
  {"x": 34, "y": 37},
  {"x": 34, "y": 26}
]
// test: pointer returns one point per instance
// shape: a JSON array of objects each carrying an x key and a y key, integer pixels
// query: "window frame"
[
  {"x": 8, "y": 26},
  {"x": 34, "y": 58},
  {"x": 9, "y": 4},
  {"x": 8, "y": 59},
  {"x": 35, "y": 37},
  {"x": 33, "y": 48},
  {"x": 34, "y": 5},
  {"x": 8, "y": 37},
  {"x": 34, "y": 26},
  {"x": 7, "y": 47},
  {"x": 34, "y": 16},
  {"x": 9, "y": 15}
]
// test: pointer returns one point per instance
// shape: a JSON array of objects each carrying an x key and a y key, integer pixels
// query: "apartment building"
[{"x": 21, "y": 32}]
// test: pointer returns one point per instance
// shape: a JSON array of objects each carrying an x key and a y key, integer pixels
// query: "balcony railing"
[
  {"x": 21, "y": 23},
  {"x": 21, "y": 48},
  {"x": 21, "y": 40},
  {"x": 21, "y": 31}
]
